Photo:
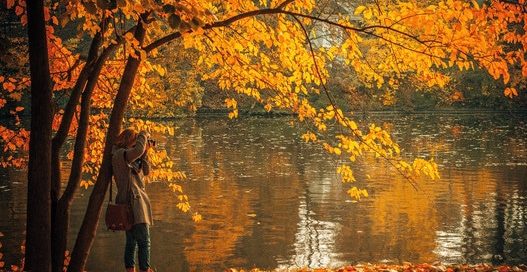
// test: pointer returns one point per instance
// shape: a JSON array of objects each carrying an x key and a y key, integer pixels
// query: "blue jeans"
[{"x": 138, "y": 236}]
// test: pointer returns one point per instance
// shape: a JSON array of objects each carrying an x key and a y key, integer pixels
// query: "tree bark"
[
  {"x": 88, "y": 228},
  {"x": 58, "y": 233},
  {"x": 60, "y": 222},
  {"x": 38, "y": 242},
  {"x": 67, "y": 118},
  {"x": 60, "y": 216}
]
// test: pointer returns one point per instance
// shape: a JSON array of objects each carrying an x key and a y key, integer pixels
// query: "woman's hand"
[
  {"x": 148, "y": 145},
  {"x": 144, "y": 132}
]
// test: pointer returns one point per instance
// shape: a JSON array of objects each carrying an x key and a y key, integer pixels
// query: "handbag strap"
[{"x": 111, "y": 181}]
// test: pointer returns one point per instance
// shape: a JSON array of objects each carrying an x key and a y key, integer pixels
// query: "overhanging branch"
[{"x": 279, "y": 10}]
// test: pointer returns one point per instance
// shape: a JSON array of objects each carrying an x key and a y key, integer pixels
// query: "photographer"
[{"x": 130, "y": 164}]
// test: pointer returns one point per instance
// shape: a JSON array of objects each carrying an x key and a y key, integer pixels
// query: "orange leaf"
[
  {"x": 10, "y": 3},
  {"x": 19, "y": 10},
  {"x": 9, "y": 86},
  {"x": 510, "y": 92}
]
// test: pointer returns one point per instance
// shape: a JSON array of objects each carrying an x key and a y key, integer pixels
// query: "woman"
[{"x": 130, "y": 164}]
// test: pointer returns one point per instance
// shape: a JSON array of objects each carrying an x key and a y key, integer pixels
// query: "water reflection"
[{"x": 269, "y": 200}]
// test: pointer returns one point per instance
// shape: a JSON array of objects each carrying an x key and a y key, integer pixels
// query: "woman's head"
[{"x": 126, "y": 138}]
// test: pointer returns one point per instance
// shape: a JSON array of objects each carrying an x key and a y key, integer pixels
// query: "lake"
[{"x": 269, "y": 200}]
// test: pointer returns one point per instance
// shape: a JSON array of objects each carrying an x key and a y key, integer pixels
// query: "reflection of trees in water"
[
  {"x": 269, "y": 200},
  {"x": 248, "y": 175},
  {"x": 405, "y": 221},
  {"x": 268, "y": 163},
  {"x": 318, "y": 227},
  {"x": 480, "y": 212},
  {"x": 445, "y": 219},
  {"x": 478, "y": 219},
  {"x": 224, "y": 205},
  {"x": 315, "y": 239}
]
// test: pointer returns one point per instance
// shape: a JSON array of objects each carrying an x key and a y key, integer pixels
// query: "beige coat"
[{"x": 124, "y": 176}]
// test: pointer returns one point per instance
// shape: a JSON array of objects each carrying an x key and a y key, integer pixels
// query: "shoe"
[{"x": 132, "y": 269}]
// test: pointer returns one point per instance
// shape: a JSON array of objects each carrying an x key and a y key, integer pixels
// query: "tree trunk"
[
  {"x": 88, "y": 228},
  {"x": 67, "y": 117},
  {"x": 58, "y": 232},
  {"x": 59, "y": 236},
  {"x": 38, "y": 242},
  {"x": 61, "y": 221},
  {"x": 58, "y": 222}
]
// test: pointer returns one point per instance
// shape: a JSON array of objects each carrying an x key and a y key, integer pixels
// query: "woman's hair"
[{"x": 126, "y": 138}]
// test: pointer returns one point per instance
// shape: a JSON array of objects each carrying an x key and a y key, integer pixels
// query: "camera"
[{"x": 151, "y": 142}]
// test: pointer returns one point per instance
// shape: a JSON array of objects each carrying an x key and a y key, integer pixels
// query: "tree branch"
[
  {"x": 279, "y": 10},
  {"x": 224, "y": 23},
  {"x": 285, "y": 3},
  {"x": 339, "y": 115}
]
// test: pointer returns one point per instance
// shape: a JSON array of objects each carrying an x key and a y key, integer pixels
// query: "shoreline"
[{"x": 404, "y": 267}]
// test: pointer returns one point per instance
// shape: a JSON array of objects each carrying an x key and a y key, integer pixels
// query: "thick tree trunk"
[
  {"x": 61, "y": 220},
  {"x": 91, "y": 218},
  {"x": 38, "y": 243}
]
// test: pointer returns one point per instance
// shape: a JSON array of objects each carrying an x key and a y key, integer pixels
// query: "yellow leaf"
[
  {"x": 368, "y": 14},
  {"x": 359, "y": 10},
  {"x": 196, "y": 217}
]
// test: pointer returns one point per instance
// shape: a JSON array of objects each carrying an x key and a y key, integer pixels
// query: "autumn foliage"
[
  {"x": 255, "y": 49},
  {"x": 276, "y": 52}
]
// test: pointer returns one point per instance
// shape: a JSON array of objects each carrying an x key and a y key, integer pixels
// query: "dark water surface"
[{"x": 271, "y": 201}]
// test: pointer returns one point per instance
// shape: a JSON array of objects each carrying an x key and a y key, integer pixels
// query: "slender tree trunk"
[
  {"x": 38, "y": 242},
  {"x": 61, "y": 220},
  {"x": 91, "y": 218},
  {"x": 62, "y": 133},
  {"x": 67, "y": 117},
  {"x": 58, "y": 222}
]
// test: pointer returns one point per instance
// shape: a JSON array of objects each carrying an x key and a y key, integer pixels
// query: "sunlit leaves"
[
  {"x": 309, "y": 137},
  {"x": 419, "y": 166},
  {"x": 231, "y": 103},
  {"x": 346, "y": 173},
  {"x": 510, "y": 92},
  {"x": 357, "y": 193},
  {"x": 196, "y": 217}
]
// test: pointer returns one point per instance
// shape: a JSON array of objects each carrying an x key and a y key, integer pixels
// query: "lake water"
[{"x": 271, "y": 201}]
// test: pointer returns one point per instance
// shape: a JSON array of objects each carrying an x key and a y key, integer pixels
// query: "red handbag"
[{"x": 119, "y": 217}]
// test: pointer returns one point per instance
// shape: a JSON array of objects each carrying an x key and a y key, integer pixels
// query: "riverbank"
[
  {"x": 223, "y": 113},
  {"x": 405, "y": 267}
]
